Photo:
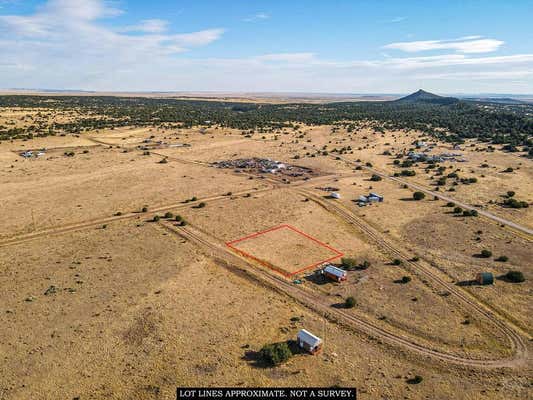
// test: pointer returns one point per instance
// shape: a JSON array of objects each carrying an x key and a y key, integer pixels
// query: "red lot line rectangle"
[{"x": 233, "y": 245}]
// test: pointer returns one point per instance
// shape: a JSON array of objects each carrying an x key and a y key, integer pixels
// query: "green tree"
[
  {"x": 485, "y": 253},
  {"x": 349, "y": 263},
  {"x": 515, "y": 276},
  {"x": 276, "y": 353},
  {"x": 350, "y": 302},
  {"x": 418, "y": 195},
  {"x": 415, "y": 380}
]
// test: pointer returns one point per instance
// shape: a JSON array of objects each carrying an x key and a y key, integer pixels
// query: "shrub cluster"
[
  {"x": 276, "y": 353},
  {"x": 485, "y": 253},
  {"x": 350, "y": 302},
  {"x": 515, "y": 276},
  {"x": 514, "y": 203},
  {"x": 418, "y": 195}
]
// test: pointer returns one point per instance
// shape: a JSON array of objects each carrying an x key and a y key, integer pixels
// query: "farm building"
[
  {"x": 424, "y": 157},
  {"x": 334, "y": 273},
  {"x": 328, "y": 189},
  {"x": 362, "y": 199},
  {"x": 375, "y": 197},
  {"x": 370, "y": 198},
  {"x": 485, "y": 278},
  {"x": 309, "y": 342},
  {"x": 416, "y": 156}
]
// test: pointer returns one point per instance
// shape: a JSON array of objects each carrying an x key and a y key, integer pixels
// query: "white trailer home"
[{"x": 309, "y": 342}]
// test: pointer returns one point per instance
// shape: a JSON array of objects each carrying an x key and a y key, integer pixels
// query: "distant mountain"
[
  {"x": 425, "y": 97},
  {"x": 498, "y": 100},
  {"x": 30, "y": 90}
]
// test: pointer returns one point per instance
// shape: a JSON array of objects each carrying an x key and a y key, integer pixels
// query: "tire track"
[
  {"x": 100, "y": 221},
  {"x": 514, "y": 227},
  {"x": 244, "y": 268},
  {"x": 507, "y": 328},
  {"x": 56, "y": 230}
]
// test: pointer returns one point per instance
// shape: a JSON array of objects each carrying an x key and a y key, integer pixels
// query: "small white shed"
[
  {"x": 309, "y": 342},
  {"x": 335, "y": 195}
]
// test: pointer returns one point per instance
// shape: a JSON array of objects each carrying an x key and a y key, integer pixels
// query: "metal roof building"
[
  {"x": 334, "y": 273},
  {"x": 485, "y": 278},
  {"x": 375, "y": 196},
  {"x": 309, "y": 342}
]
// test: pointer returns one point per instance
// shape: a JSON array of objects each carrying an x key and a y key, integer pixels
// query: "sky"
[{"x": 318, "y": 46}]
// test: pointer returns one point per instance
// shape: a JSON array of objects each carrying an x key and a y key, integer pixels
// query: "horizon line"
[{"x": 274, "y": 92}]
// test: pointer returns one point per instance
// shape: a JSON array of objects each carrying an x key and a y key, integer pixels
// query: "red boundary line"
[
  {"x": 230, "y": 244},
  {"x": 257, "y": 234}
]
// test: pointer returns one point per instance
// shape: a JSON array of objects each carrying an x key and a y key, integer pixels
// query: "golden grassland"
[{"x": 136, "y": 310}]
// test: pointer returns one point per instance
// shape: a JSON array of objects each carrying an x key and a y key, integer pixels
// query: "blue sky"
[{"x": 262, "y": 46}]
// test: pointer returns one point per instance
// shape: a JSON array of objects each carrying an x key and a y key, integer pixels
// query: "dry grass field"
[
  {"x": 493, "y": 183},
  {"x": 102, "y": 300},
  {"x": 286, "y": 249}
]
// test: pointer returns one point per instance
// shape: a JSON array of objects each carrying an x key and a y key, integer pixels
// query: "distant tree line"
[{"x": 510, "y": 125}]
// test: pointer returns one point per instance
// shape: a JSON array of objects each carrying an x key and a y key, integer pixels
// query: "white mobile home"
[{"x": 309, "y": 342}]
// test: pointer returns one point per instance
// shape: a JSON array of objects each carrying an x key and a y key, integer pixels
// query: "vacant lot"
[{"x": 286, "y": 249}]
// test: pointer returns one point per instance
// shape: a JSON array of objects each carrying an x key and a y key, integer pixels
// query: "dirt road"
[
  {"x": 244, "y": 267},
  {"x": 500, "y": 220},
  {"x": 273, "y": 184},
  {"x": 102, "y": 221}
]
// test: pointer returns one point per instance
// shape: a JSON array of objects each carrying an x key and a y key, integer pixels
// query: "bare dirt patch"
[
  {"x": 285, "y": 249},
  {"x": 274, "y": 169}
]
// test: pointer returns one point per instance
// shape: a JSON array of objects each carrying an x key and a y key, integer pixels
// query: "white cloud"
[
  {"x": 454, "y": 60},
  {"x": 68, "y": 32},
  {"x": 62, "y": 46},
  {"x": 287, "y": 57},
  {"x": 81, "y": 9},
  {"x": 492, "y": 75},
  {"x": 257, "y": 17},
  {"x": 147, "y": 25},
  {"x": 398, "y": 63},
  {"x": 200, "y": 38},
  {"x": 467, "y": 44}
]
